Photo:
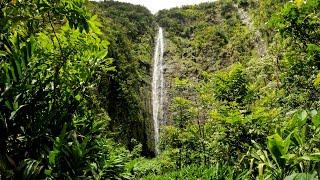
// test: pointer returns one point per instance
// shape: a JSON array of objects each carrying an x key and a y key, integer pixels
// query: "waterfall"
[{"x": 157, "y": 87}]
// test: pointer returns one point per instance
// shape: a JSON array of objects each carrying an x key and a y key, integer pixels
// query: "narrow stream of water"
[{"x": 157, "y": 87}]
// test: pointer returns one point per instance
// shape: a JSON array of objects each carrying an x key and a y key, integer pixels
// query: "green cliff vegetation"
[
  {"x": 126, "y": 92},
  {"x": 241, "y": 101}
]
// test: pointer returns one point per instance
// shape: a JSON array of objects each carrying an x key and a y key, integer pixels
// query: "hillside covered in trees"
[{"x": 241, "y": 90}]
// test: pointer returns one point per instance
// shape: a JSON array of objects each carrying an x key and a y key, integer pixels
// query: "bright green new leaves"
[
  {"x": 231, "y": 85},
  {"x": 182, "y": 110}
]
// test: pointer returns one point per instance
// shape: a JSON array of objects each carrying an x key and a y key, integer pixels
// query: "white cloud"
[{"x": 156, "y": 5}]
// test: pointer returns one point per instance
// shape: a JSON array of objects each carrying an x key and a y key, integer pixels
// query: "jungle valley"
[{"x": 107, "y": 90}]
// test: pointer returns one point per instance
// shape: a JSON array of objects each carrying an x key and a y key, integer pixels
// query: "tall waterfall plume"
[{"x": 157, "y": 87}]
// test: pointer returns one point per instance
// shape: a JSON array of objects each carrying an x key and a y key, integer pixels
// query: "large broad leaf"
[
  {"x": 316, "y": 120},
  {"x": 302, "y": 118},
  {"x": 299, "y": 119},
  {"x": 315, "y": 117},
  {"x": 278, "y": 147},
  {"x": 313, "y": 113},
  {"x": 302, "y": 176}
]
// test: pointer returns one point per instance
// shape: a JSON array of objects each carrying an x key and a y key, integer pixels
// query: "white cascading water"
[{"x": 157, "y": 87}]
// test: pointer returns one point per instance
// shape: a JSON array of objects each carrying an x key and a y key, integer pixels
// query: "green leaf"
[
  {"x": 52, "y": 157},
  {"x": 63, "y": 133},
  {"x": 48, "y": 172},
  {"x": 8, "y": 105},
  {"x": 78, "y": 97},
  {"x": 312, "y": 157},
  {"x": 13, "y": 113},
  {"x": 102, "y": 54},
  {"x": 288, "y": 156},
  {"x": 316, "y": 120},
  {"x": 299, "y": 136},
  {"x": 299, "y": 119},
  {"x": 18, "y": 68},
  {"x": 303, "y": 115},
  {"x": 260, "y": 169},
  {"x": 313, "y": 113},
  {"x": 278, "y": 147},
  {"x": 3, "y": 53},
  {"x": 302, "y": 176}
]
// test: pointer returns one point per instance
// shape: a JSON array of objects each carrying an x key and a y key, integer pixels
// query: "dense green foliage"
[
  {"x": 240, "y": 78},
  {"x": 241, "y": 90},
  {"x": 58, "y": 69}
]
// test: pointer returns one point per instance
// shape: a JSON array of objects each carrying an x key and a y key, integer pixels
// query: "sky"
[{"x": 156, "y": 5}]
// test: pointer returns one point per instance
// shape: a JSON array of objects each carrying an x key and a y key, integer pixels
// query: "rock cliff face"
[{"x": 131, "y": 31}]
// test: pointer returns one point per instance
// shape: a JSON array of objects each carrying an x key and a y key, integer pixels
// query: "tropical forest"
[{"x": 221, "y": 90}]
